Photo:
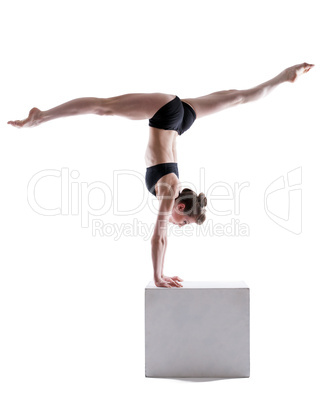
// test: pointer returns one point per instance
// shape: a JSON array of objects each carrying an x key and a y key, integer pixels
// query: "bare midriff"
[{"x": 161, "y": 147}]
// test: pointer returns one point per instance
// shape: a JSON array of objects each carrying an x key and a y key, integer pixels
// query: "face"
[{"x": 178, "y": 218}]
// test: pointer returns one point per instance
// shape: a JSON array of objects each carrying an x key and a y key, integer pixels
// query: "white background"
[{"x": 72, "y": 304}]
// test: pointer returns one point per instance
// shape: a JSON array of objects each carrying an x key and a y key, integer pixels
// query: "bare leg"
[
  {"x": 137, "y": 106},
  {"x": 217, "y": 101},
  {"x": 71, "y": 108},
  {"x": 132, "y": 106}
]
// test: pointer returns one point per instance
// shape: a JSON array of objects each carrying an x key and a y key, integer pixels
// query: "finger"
[
  {"x": 171, "y": 281},
  {"x": 174, "y": 281},
  {"x": 176, "y": 278},
  {"x": 166, "y": 284}
]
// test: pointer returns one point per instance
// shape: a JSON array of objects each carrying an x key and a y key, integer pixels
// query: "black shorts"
[{"x": 174, "y": 115}]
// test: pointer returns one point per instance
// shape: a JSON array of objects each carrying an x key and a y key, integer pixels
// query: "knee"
[
  {"x": 103, "y": 107},
  {"x": 238, "y": 96}
]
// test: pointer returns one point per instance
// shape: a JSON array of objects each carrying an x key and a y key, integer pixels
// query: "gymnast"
[{"x": 169, "y": 116}]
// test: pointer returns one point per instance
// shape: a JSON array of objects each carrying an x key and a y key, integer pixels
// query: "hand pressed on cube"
[{"x": 169, "y": 282}]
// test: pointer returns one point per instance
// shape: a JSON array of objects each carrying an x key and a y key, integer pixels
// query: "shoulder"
[{"x": 167, "y": 186}]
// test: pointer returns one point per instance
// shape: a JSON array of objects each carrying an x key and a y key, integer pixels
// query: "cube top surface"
[{"x": 203, "y": 285}]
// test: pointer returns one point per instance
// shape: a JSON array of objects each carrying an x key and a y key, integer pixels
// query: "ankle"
[{"x": 43, "y": 117}]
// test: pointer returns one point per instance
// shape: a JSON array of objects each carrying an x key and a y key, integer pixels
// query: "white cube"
[{"x": 200, "y": 330}]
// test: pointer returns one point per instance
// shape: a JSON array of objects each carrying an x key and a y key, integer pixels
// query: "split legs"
[
  {"x": 135, "y": 106},
  {"x": 217, "y": 101}
]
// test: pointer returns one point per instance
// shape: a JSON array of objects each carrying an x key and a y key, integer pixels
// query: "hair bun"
[{"x": 202, "y": 200}]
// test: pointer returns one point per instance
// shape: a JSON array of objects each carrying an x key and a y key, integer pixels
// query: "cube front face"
[{"x": 197, "y": 332}]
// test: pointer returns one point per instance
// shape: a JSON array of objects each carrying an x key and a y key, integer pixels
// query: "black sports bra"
[{"x": 155, "y": 172}]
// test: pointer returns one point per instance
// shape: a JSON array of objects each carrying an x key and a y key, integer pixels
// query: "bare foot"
[
  {"x": 34, "y": 119},
  {"x": 291, "y": 73}
]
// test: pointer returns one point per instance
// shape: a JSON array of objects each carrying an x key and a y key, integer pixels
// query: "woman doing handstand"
[{"x": 169, "y": 116}]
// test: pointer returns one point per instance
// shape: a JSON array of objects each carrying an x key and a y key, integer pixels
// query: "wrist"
[{"x": 157, "y": 278}]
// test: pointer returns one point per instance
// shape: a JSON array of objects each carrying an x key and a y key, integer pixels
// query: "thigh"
[
  {"x": 214, "y": 102},
  {"x": 137, "y": 106}
]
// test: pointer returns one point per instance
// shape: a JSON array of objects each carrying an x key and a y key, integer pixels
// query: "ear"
[{"x": 181, "y": 206}]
